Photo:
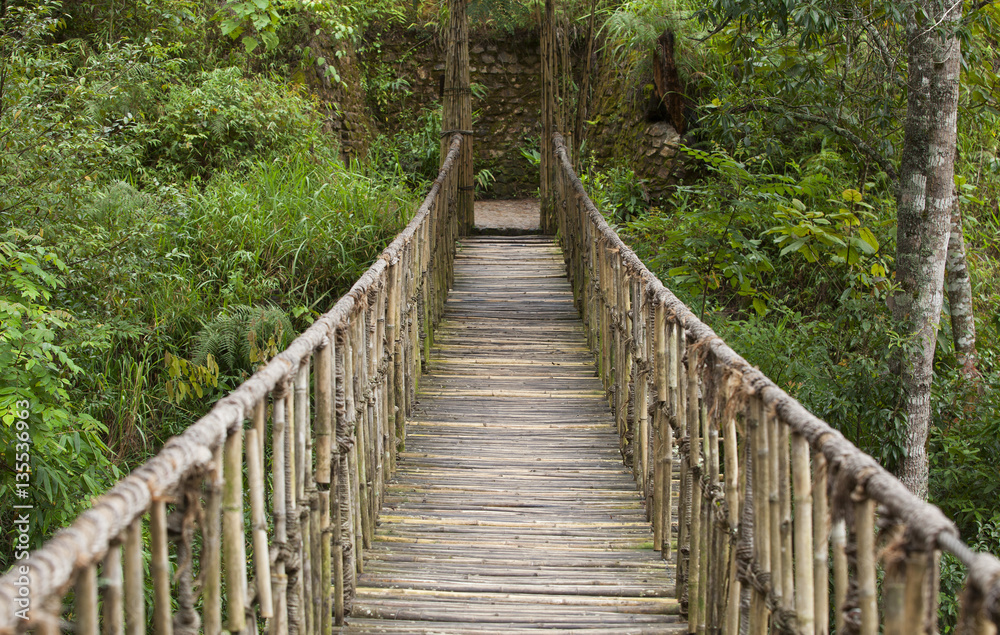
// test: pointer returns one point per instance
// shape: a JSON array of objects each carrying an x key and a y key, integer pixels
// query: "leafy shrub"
[
  {"x": 64, "y": 447},
  {"x": 225, "y": 121}
]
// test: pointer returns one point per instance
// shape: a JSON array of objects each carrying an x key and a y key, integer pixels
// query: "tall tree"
[{"x": 924, "y": 204}]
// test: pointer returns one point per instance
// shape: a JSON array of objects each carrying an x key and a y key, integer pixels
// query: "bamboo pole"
[
  {"x": 762, "y": 509},
  {"x": 821, "y": 545},
  {"x": 774, "y": 505},
  {"x": 709, "y": 546},
  {"x": 838, "y": 540},
  {"x": 694, "y": 459},
  {"x": 261, "y": 560},
  {"x": 135, "y": 600},
  {"x": 864, "y": 526},
  {"x": 326, "y": 555},
  {"x": 233, "y": 543},
  {"x": 211, "y": 551},
  {"x": 456, "y": 111},
  {"x": 85, "y": 601},
  {"x": 324, "y": 412},
  {"x": 159, "y": 568},
  {"x": 660, "y": 372},
  {"x": 920, "y": 594},
  {"x": 785, "y": 495},
  {"x": 804, "y": 555},
  {"x": 279, "y": 594},
  {"x": 114, "y": 607},
  {"x": 732, "y": 479},
  {"x": 301, "y": 428}
]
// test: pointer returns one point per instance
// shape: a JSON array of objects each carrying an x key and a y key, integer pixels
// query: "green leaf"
[
  {"x": 868, "y": 238},
  {"x": 759, "y": 306},
  {"x": 851, "y": 195},
  {"x": 250, "y": 43}
]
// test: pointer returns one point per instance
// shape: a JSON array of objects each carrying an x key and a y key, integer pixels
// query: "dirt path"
[{"x": 521, "y": 214}]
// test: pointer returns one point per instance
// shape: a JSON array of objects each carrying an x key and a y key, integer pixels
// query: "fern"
[{"x": 240, "y": 336}]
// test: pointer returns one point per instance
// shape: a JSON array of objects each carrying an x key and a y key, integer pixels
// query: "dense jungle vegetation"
[{"x": 172, "y": 210}]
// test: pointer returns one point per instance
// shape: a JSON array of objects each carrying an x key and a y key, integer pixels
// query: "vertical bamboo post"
[
  {"x": 261, "y": 560},
  {"x": 774, "y": 505},
  {"x": 457, "y": 112},
  {"x": 920, "y": 594},
  {"x": 159, "y": 568},
  {"x": 301, "y": 427},
  {"x": 114, "y": 608},
  {"x": 233, "y": 544},
  {"x": 838, "y": 540},
  {"x": 785, "y": 495},
  {"x": 732, "y": 479},
  {"x": 694, "y": 572},
  {"x": 279, "y": 623},
  {"x": 135, "y": 600},
  {"x": 324, "y": 389},
  {"x": 660, "y": 425},
  {"x": 762, "y": 508},
  {"x": 675, "y": 346},
  {"x": 709, "y": 546},
  {"x": 548, "y": 80},
  {"x": 86, "y": 601},
  {"x": 324, "y": 411},
  {"x": 821, "y": 545},
  {"x": 260, "y": 425},
  {"x": 326, "y": 554},
  {"x": 864, "y": 527},
  {"x": 804, "y": 555}
]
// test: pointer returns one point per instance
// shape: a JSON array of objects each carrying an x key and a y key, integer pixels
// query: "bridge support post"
[{"x": 457, "y": 116}]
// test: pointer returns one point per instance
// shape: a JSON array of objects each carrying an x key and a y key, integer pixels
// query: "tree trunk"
[
  {"x": 959, "y": 288},
  {"x": 924, "y": 209}
]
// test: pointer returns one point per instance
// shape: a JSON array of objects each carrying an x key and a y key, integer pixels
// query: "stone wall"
[
  {"x": 506, "y": 97},
  {"x": 507, "y": 106}
]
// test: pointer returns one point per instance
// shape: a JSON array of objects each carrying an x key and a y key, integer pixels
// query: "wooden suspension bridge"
[{"x": 500, "y": 435}]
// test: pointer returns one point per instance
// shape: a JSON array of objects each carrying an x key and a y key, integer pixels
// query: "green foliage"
[
  {"x": 39, "y": 348},
  {"x": 223, "y": 121},
  {"x": 255, "y": 20},
  {"x": 242, "y": 337},
  {"x": 413, "y": 153}
]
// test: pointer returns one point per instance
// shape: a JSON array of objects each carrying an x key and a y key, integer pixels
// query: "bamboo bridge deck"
[{"x": 511, "y": 510}]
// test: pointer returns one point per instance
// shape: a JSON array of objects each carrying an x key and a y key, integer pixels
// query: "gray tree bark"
[
  {"x": 924, "y": 209},
  {"x": 959, "y": 287}
]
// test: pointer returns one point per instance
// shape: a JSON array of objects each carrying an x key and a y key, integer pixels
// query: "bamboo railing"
[
  {"x": 771, "y": 497},
  {"x": 318, "y": 430}
]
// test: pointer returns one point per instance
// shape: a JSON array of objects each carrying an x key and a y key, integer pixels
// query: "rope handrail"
[
  {"x": 405, "y": 284},
  {"x": 631, "y": 319}
]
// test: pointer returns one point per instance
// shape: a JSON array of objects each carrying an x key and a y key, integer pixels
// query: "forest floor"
[{"x": 519, "y": 214}]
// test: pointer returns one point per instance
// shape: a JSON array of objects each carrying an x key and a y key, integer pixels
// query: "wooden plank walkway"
[{"x": 511, "y": 510}]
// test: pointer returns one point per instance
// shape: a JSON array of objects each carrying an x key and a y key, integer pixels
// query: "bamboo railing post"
[
  {"x": 774, "y": 506},
  {"x": 838, "y": 540},
  {"x": 279, "y": 594},
  {"x": 86, "y": 601},
  {"x": 261, "y": 557},
  {"x": 821, "y": 546},
  {"x": 661, "y": 369},
  {"x": 113, "y": 613},
  {"x": 732, "y": 480},
  {"x": 325, "y": 433},
  {"x": 804, "y": 553},
  {"x": 864, "y": 528},
  {"x": 135, "y": 600},
  {"x": 339, "y": 485},
  {"x": 694, "y": 572},
  {"x": 785, "y": 495},
  {"x": 233, "y": 543},
  {"x": 159, "y": 568},
  {"x": 762, "y": 509}
]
